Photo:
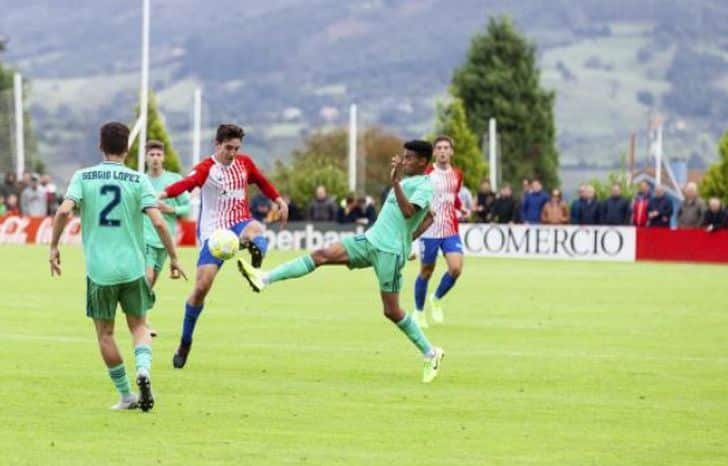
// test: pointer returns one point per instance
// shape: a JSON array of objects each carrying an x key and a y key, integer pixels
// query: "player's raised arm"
[
  {"x": 408, "y": 209},
  {"x": 64, "y": 212},
  {"x": 267, "y": 188},
  {"x": 195, "y": 179}
]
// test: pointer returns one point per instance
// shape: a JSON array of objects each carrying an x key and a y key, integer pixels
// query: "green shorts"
[
  {"x": 155, "y": 257},
  {"x": 135, "y": 297},
  {"x": 388, "y": 266}
]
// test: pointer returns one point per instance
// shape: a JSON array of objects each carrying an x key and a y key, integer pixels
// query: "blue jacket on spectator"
[
  {"x": 588, "y": 213},
  {"x": 575, "y": 211},
  {"x": 532, "y": 205},
  {"x": 616, "y": 211},
  {"x": 663, "y": 206}
]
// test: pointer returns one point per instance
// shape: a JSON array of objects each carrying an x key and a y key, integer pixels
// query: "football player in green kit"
[
  {"x": 385, "y": 247},
  {"x": 155, "y": 254},
  {"x": 112, "y": 199}
]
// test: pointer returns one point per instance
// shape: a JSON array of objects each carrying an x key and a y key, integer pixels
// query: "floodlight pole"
[
  {"x": 144, "y": 93},
  {"x": 19, "y": 131},
  {"x": 352, "y": 148},
  {"x": 491, "y": 155},
  {"x": 196, "y": 126},
  {"x": 658, "y": 156}
]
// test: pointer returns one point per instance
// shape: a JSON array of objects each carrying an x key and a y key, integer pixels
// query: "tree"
[
  {"x": 500, "y": 79},
  {"x": 452, "y": 121},
  {"x": 715, "y": 181},
  {"x": 155, "y": 130},
  {"x": 377, "y": 149}
]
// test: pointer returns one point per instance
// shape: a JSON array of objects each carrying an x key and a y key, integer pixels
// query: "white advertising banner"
[{"x": 580, "y": 242}]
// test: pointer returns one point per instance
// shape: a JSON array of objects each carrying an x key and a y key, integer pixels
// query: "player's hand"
[
  {"x": 55, "y": 261},
  {"x": 282, "y": 212},
  {"x": 396, "y": 172},
  {"x": 175, "y": 270},
  {"x": 165, "y": 208},
  {"x": 162, "y": 195}
]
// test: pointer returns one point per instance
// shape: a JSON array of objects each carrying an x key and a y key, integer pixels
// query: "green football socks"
[
  {"x": 143, "y": 356},
  {"x": 409, "y": 326},
  {"x": 121, "y": 381},
  {"x": 292, "y": 269}
]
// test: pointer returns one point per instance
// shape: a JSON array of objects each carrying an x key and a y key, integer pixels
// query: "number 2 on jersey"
[{"x": 115, "y": 191}]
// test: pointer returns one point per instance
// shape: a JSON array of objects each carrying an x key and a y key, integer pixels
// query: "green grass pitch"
[{"x": 548, "y": 363}]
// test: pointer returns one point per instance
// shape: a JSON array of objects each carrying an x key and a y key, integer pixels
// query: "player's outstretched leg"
[
  {"x": 406, "y": 323},
  {"x": 115, "y": 364},
  {"x": 429, "y": 248},
  {"x": 206, "y": 273},
  {"x": 258, "y": 279},
  {"x": 454, "y": 269}
]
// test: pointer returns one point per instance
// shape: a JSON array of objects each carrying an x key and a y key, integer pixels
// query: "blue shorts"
[
  {"x": 206, "y": 257},
  {"x": 430, "y": 246}
]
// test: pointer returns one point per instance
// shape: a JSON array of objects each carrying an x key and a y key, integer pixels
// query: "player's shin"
[
  {"x": 143, "y": 358},
  {"x": 295, "y": 268},
  {"x": 409, "y": 327},
  {"x": 446, "y": 283},
  {"x": 120, "y": 381},
  {"x": 420, "y": 292},
  {"x": 192, "y": 313}
]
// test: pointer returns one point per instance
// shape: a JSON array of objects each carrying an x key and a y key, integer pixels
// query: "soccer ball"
[{"x": 223, "y": 244}]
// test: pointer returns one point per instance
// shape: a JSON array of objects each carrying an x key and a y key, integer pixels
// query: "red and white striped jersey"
[
  {"x": 223, "y": 192},
  {"x": 446, "y": 185}
]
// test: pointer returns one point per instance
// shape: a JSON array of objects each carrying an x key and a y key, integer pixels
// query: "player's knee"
[
  {"x": 319, "y": 257},
  {"x": 426, "y": 273},
  {"x": 455, "y": 271}
]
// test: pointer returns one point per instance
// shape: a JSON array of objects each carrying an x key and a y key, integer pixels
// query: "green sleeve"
[
  {"x": 422, "y": 197},
  {"x": 182, "y": 204},
  {"x": 148, "y": 196},
  {"x": 75, "y": 191}
]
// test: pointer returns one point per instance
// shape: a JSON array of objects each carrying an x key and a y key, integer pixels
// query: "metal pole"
[
  {"x": 144, "y": 94},
  {"x": 658, "y": 157},
  {"x": 196, "y": 126},
  {"x": 19, "y": 132},
  {"x": 493, "y": 169},
  {"x": 352, "y": 148}
]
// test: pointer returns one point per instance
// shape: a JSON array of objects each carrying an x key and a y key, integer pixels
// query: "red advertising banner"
[{"x": 694, "y": 245}]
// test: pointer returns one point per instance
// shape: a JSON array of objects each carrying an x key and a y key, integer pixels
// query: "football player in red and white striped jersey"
[
  {"x": 443, "y": 235},
  {"x": 223, "y": 180}
]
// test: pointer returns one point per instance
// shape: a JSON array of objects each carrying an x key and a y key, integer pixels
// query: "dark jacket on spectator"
[
  {"x": 663, "y": 205},
  {"x": 485, "y": 201},
  {"x": 504, "y": 210},
  {"x": 615, "y": 211},
  {"x": 639, "y": 210},
  {"x": 575, "y": 211},
  {"x": 322, "y": 210},
  {"x": 717, "y": 219},
  {"x": 691, "y": 213},
  {"x": 588, "y": 213},
  {"x": 365, "y": 215},
  {"x": 532, "y": 205}
]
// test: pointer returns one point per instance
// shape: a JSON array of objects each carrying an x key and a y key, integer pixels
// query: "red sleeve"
[
  {"x": 195, "y": 179},
  {"x": 458, "y": 202},
  {"x": 257, "y": 177},
  {"x": 429, "y": 169}
]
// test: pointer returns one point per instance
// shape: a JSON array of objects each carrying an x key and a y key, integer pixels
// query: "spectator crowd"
[
  {"x": 36, "y": 196},
  {"x": 33, "y": 195}
]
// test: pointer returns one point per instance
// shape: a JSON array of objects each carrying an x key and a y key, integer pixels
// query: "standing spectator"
[
  {"x": 692, "y": 210},
  {"x": 260, "y": 207},
  {"x": 484, "y": 203},
  {"x": 11, "y": 205},
  {"x": 640, "y": 204},
  {"x": 615, "y": 210},
  {"x": 589, "y": 209},
  {"x": 322, "y": 207},
  {"x": 466, "y": 204},
  {"x": 3, "y": 208},
  {"x": 525, "y": 190},
  {"x": 505, "y": 208},
  {"x": 25, "y": 181},
  {"x": 555, "y": 211},
  {"x": 577, "y": 204},
  {"x": 356, "y": 210},
  {"x": 50, "y": 189},
  {"x": 33, "y": 201},
  {"x": 294, "y": 213},
  {"x": 10, "y": 185},
  {"x": 659, "y": 209},
  {"x": 533, "y": 203},
  {"x": 715, "y": 217}
]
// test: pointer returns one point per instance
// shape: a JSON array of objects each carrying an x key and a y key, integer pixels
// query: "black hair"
[
  {"x": 229, "y": 131},
  {"x": 114, "y": 138},
  {"x": 419, "y": 147}
]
